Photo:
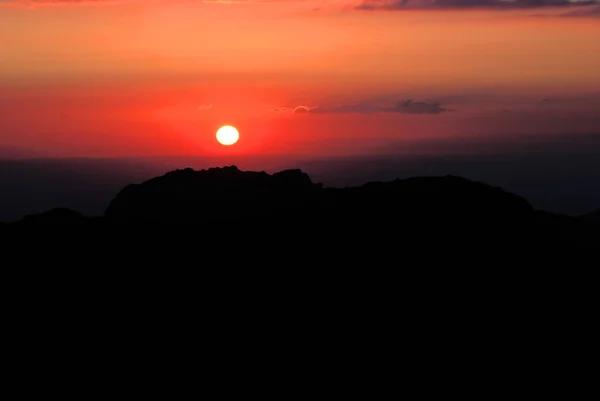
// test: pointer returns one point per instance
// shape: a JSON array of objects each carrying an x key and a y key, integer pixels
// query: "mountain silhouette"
[
  {"x": 228, "y": 194},
  {"x": 288, "y": 204},
  {"x": 217, "y": 194},
  {"x": 593, "y": 216},
  {"x": 56, "y": 216},
  {"x": 223, "y": 241}
]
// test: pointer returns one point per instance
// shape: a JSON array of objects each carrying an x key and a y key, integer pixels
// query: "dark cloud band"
[{"x": 510, "y": 4}]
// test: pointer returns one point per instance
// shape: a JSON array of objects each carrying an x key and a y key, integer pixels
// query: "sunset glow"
[{"x": 153, "y": 77}]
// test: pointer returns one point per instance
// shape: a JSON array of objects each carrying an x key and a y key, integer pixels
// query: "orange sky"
[{"x": 159, "y": 77}]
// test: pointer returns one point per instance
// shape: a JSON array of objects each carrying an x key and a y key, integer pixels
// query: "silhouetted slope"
[
  {"x": 228, "y": 194},
  {"x": 593, "y": 216},
  {"x": 435, "y": 199},
  {"x": 188, "y": 196},
  {"x": 252, "y": 205},
  {"x": 56, "y": 216},
  {"x": 563, "y": 230},
  {"x": 449, "y": 253}
]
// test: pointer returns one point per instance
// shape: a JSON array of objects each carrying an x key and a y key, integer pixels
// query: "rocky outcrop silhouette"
[
  {"x": 217, "y": 194},
  {"x": 453, "y": 251},
  {"x": 228, "y": 194},
  {"x": 288, "y": 204}
]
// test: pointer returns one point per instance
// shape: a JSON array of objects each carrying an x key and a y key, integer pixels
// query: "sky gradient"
[{"x": 153, "y": 77}]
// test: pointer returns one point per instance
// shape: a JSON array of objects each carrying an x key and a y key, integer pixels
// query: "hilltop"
[{"x": 290, "y": 204}]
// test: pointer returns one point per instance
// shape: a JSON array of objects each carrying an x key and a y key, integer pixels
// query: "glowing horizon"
[{"x": 97, "y": 78}]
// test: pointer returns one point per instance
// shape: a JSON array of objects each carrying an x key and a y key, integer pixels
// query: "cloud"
[
  {"x": 464, "y": 4},
  {"x": 205, "y": 107},
  {"x": 411, "y": 107},
  {"x": 404, "y": 107},
  {"x": 304, "y": 109},
  {"x": 584, "y": 12},
  {"x": 355, "y": 108}
]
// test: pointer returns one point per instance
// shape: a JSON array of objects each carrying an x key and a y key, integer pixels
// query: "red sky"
[{"x": 154, "y": 77}]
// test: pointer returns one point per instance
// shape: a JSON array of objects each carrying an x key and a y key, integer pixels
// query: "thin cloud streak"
[{"x": 397, "y": 5}]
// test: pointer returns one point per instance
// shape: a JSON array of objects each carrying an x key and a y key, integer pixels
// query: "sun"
[{"x": 228, "y": 135}]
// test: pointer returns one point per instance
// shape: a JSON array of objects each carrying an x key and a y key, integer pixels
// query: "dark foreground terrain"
[
  {"x": 229, "y": 209},
  {"x": 247, "y": 256}
]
